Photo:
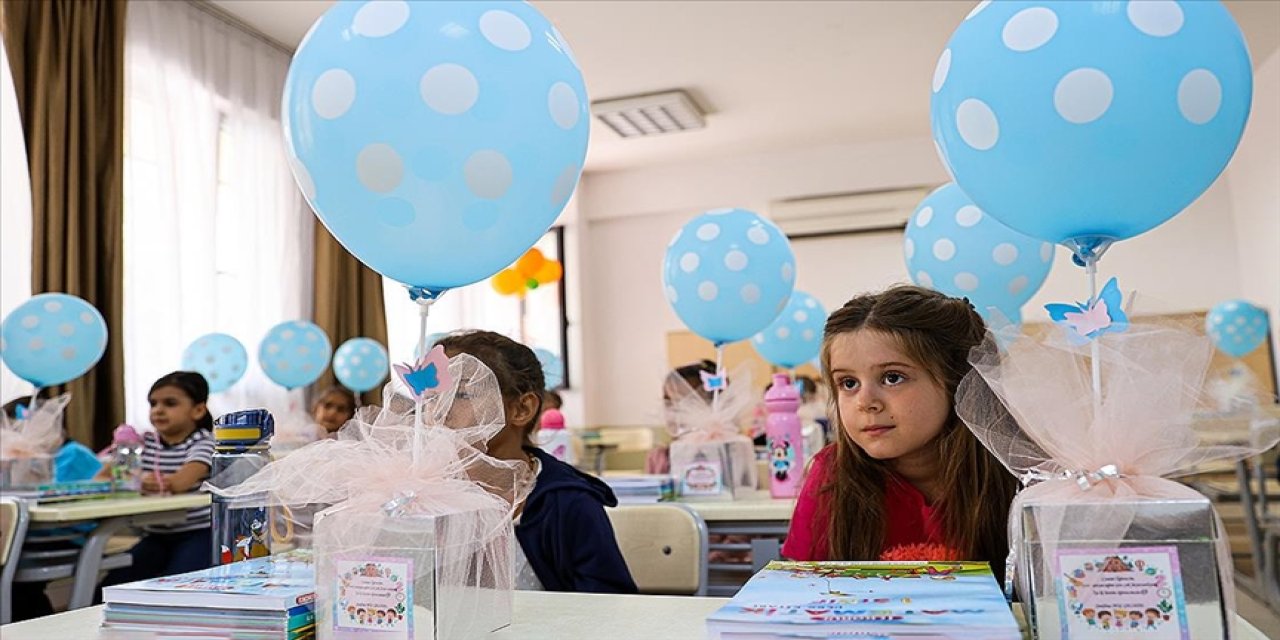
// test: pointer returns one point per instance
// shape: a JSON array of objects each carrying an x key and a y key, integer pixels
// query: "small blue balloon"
[
  {"x": 552, "y": 368},
  {"x": 795, "y": 336},
  {"x": 1090, "y": 121},
  {"x": 294, "y": 354},
  {"x": 1236, "y": 327},
  {"x": 952, "y": 246},
  {"x": 52, "y": 338},
  {"x": 728, "y": 273},
  {"x": 220, "y": 358},
  {"x": 437, "y": 141},
  {"x": 361, "y": 364}
]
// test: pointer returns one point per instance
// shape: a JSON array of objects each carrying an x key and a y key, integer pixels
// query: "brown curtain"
[
  {"x": 348, "y": 301},
  {"x": 67, "y": 58}
]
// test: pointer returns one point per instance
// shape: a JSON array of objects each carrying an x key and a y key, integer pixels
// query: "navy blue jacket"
[{"x": 566, "y": 535}]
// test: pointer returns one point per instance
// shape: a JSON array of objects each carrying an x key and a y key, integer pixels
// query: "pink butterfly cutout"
[
  {"x": 431, "y": 371},
  {"x": 1094, "y": 318}
]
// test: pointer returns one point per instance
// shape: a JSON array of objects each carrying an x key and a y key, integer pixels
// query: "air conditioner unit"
[{"x": 862, "y": 212}]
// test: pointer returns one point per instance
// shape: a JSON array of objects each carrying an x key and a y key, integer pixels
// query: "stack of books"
[
  {"x": 271, "y": 597},
  {"x": 916, "y": 600},
  {"x": 642, "y": 489},
  {"x": 64, "y": 491}
]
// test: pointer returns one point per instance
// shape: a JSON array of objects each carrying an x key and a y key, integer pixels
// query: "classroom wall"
[
  {"x": 627, "y": 218},
  {"x": 1254, "y": 177}
]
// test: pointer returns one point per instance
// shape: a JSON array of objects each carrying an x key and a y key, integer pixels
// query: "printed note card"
[
  {"x": 1134, "y": 592},
  {"x": 375, "y": 596}
]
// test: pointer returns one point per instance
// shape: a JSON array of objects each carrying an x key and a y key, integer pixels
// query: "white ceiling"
[{"x": 773, "y": 75}]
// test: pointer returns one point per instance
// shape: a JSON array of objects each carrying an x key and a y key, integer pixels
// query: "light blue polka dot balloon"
[
  {"x": 294, "y": 354},
  {"x": 1090, "y": 121},
  {"x": 795, "y": 336},
  {"x": 361, "y": 364},
  {"x": 437, "y": 141},
  {"x": 952, "y": 246},
  {"x": 220, "y": 358},
  {"x": 52, "y": 338},
  {"x": 552, "y": 367},
  {"x": 1236, "y": 327},
  {"x": 728, "y": 273}
]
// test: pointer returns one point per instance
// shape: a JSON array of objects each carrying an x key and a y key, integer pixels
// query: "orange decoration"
[
  {"x": 508, "y": 283},
  {"x": 529, "y": 263},
  {"x": 551, "y": 271}
]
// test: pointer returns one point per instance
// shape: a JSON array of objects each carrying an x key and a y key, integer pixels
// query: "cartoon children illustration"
[
  {"x": 382, "y": 617},
  {"x": 1153, "y": 618},
  {"x": 1135, "y": 619},
  {"x": 351, "y": 611},
  {"x": 1090, "y": 616},
  {"x": 1104, "y": 617},
  {"x": 1115, "y": 564},
  {"x": 360, "y": 615}
]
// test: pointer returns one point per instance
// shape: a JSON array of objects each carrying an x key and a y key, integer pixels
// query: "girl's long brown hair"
[{"x": 937, "y": 332}]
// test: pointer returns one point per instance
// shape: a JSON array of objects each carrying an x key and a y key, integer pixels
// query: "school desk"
[
  {"x": 111, "y": 515},
  {"x": 537, "y": 616},
  {"x": 762, "y": 519}
]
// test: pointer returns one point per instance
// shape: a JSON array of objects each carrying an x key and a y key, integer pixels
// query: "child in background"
[
  {"x": 566, "y": 540},
  {"x": 904, "y": 472},
  {"x": 333, "y": 408},
  {"x": 176, "y": 458}
]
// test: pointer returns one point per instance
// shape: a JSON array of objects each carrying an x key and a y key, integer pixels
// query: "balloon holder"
[{"x": 1087, "y": 249}]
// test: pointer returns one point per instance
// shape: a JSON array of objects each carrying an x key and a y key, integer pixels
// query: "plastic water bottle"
[
  {"x": 241, "y": 447},
  {"x": 554, "y": 438},
  {"x": 785, "y": 437},
  {"x": 126, "y": 459}
]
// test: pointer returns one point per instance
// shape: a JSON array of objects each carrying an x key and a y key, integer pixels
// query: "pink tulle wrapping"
[
  {"x": 27, "y": 446},
  {"x": 1032, "y": 404},
  {"x": 420, "y": 487},
  {"x": 711, "y": 427}
]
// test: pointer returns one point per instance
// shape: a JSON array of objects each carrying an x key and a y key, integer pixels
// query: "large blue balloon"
[
  {"x": 954, "y": 247},
  {"x": 293, "y": 354},
  {"x": 52, "y": 338},
  {"x": 1236, "y": 327},
  {"x": 220, "y": 358},
  {"x": 1090, "y": 121},
  {"x": 728, "y": 273},
  {"x": 437, "y": 141},
  {"x": 795, "y": 336},
  {"x": 360, "y": 364}
]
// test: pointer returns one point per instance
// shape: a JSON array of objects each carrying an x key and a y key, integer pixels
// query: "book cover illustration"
[
  {"x": 883, "y": 595},
  {"x": 1135, "y": 590},
  {"x": 279, "y": 575}
]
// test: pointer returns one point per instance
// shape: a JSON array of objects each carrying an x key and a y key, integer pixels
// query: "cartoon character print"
[{"x": 781, "y": 458}]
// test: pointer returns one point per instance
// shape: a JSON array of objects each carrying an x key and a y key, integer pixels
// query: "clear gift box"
[
  {"x": 419, "y": 540},
  {"x": 27, "y": 472},
  {"x": 28, "y": 444},
  {"x": 1103, "y": 542},
  {"x": 1163, "y": 577},
  {"x": 711, "y": 459}
]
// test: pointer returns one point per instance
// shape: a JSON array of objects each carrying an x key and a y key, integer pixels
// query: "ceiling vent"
[
  {"x": 650, "y": 115},
  {"x": 863, "y": 212}
]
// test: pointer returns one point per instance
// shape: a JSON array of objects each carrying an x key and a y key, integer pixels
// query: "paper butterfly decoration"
[
  {"x": 431, "y": 371},
  {"x": 713, "y": 382},
  {"x": 1103, "y": 314}
]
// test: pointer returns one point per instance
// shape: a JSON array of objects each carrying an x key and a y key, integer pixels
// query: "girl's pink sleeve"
[{"x": 806, "y": 538}]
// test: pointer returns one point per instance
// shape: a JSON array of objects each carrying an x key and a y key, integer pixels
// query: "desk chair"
[
  {"x": 13, "y": 530},
  {"x": 664, "y": 545}
]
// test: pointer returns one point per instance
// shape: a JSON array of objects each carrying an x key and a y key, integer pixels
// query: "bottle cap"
[
  {"x": 244, "y": 428},
  {"x": 552, "y": 419},
  {"x": 126, "y": 434}
]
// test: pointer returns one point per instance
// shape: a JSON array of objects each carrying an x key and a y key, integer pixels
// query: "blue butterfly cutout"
[
  {"x": 1103, "y": 314},
  {"x": 423, "y": 379}
]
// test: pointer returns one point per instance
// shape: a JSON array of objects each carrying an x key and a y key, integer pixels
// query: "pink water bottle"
[
  {"x": 784, "y": 436},
  {"x": 554, "y": 438}
]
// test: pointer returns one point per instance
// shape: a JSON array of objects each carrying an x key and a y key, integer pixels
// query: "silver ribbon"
[
  {"x": 1086, "y": 480},
  {"x": 398, "y": 505}
]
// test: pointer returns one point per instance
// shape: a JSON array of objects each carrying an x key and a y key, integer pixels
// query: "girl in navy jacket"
[{"x": 566, "y": 541}]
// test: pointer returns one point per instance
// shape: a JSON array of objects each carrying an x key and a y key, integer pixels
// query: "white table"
[
  {"x": 538, "y": 616},
  {"x": 112, "y": 516}
]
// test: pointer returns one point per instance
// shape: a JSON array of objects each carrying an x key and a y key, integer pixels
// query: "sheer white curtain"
[
  {"x": 15, "y": 217},
  {"x": 217, "y": 235}
]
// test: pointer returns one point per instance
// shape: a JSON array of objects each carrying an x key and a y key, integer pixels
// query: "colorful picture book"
[
  {"x": 867, "y": 600},
  {"x": 271, "y": 597}
]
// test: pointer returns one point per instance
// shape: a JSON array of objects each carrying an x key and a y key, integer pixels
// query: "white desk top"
[
  {"x": 538, "y": 616},
  {"x": 79, "y": 510},
  {"x": 757, "y": 507}
]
